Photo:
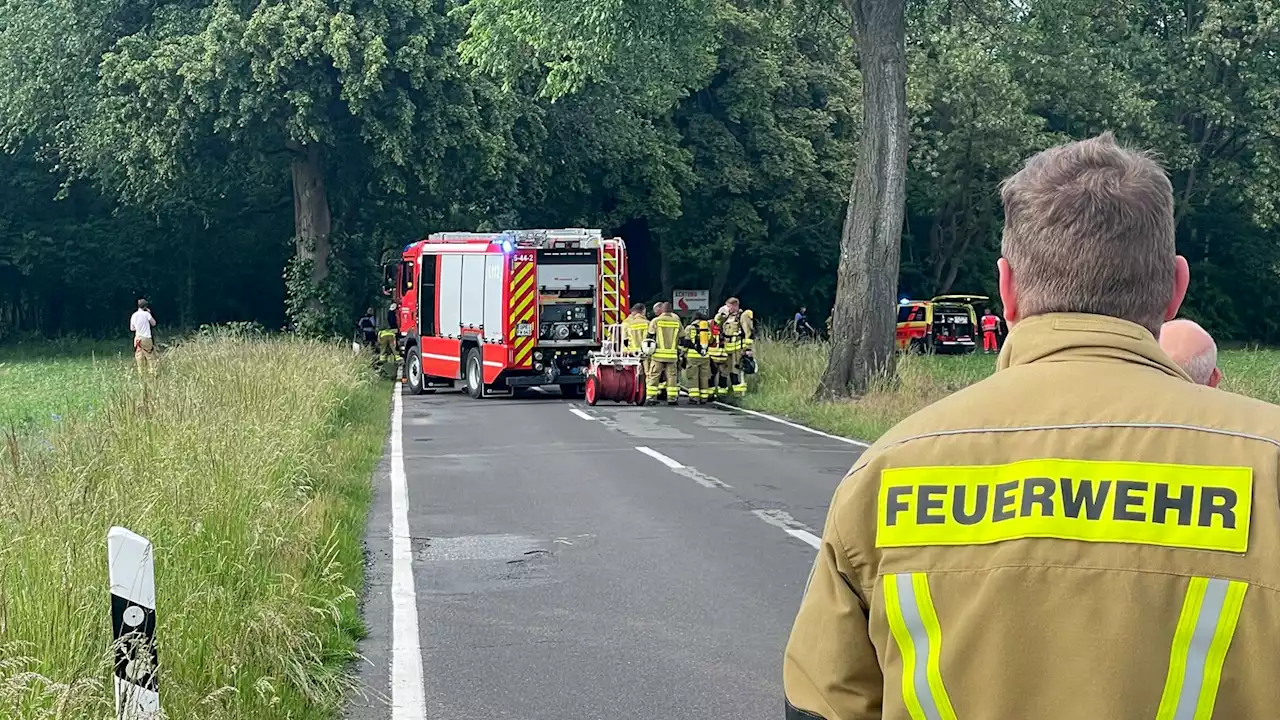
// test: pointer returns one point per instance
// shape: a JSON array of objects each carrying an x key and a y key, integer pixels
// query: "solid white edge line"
[
  {"x": 660, "y": 457},
  {"x": 581, "y": 414},
  {"x": 408, "y": 697},
  {"x": 806, "y": 536},
  {"x": 790, "y": 424}
]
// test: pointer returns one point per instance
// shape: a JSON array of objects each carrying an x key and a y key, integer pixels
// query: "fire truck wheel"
[
  {"x": 591, "y": 389},
  {"x": 475, "y": 374},
  {"x": 413, "y": 371}
]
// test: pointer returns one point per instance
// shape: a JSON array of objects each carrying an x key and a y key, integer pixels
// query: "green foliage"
[{"x": 151, "y": 146}]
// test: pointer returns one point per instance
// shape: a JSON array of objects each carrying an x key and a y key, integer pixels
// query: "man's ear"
[
  {"x": 1181, "y": 279},
  {"x": 1008, "y": 293},
  {"x": 1215, "y": 377}
]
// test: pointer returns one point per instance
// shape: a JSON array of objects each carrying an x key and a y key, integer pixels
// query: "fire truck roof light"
[{"x": 507, "y": 247}]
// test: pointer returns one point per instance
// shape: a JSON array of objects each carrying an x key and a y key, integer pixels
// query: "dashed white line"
[
  {"x": 408, "y": 700},
  {"x": 783, "y": 521},
  {"x": 660, "y": 457},
  {"x": 581, "y": 414},
  {"x": 790, "y": 424},
  {"x": 693, "y": 474}
]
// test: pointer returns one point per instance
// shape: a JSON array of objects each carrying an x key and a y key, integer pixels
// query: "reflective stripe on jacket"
[
  {"x": 1085, "y": 534},
  {"x": 665, "y": 331}
]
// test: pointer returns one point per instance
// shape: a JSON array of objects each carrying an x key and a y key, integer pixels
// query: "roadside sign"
[{"x": 687, "y": 301}]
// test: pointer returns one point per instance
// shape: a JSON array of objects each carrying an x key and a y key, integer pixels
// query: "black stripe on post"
[{"x": 133, "y": 630}]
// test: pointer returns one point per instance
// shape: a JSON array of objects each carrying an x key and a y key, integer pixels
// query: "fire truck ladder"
[{"x": 611, "y": 296}]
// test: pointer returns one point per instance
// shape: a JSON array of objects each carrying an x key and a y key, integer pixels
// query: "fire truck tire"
[
  {"x": 475, "y": 374},
  {"x": 591, "y": 390},
  {"x": 413, "y": 371}
]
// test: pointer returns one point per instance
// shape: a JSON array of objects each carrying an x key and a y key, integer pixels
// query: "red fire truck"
[{"x": 504, "y": 312}]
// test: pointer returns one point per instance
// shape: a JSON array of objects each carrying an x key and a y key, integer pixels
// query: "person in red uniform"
[{"x": 990, "y": 324}]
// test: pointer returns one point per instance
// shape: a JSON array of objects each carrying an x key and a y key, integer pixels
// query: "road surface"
[{"x": 540, "y": 559}]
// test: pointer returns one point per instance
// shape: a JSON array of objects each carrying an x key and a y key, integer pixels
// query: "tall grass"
[
  {"x": 789, "y": 374},
  {"x": 247, "y": 462}
]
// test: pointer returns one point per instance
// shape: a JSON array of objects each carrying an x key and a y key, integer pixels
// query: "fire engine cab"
[{"x": 504, "y": 312}]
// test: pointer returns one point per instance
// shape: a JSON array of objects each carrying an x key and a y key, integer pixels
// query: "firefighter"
[
  {"x": 696, "y": 343},
  {"x": 748, "y": 365},
  {"x": 664, "y": 334},
  {"x": 1087, "y": 533},
  {"x": 368, "y": 327},
  {"x": 719, "y": 362},
  {"x": 731, "y": 335},
  {"x": 990, "y": 325},
  {"x": 635, "y": 328}
]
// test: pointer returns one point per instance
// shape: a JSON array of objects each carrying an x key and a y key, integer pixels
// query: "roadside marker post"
[{"x": 131, "y": 568}]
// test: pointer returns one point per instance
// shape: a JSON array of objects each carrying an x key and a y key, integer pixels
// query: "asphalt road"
[{"x": 573, "y": 562}]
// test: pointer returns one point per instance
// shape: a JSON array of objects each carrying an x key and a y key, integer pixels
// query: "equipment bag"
[{"x": 748, "y": 365}]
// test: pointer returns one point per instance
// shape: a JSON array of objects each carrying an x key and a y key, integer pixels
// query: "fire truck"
[{"x": 508, "y": 311}]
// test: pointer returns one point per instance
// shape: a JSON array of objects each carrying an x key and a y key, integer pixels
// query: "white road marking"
[
  {"x": 660, "y": 457},
  {"x": 693, "y": 474},
  {"x": 581, "y": 414},
  {"x": 790, "y": 424},
  {"x": 407, "y": 695},
  {"x": 783, "y": 521}
]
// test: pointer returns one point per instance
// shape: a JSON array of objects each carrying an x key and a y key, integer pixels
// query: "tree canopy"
[{"x": 259, "y": 160}]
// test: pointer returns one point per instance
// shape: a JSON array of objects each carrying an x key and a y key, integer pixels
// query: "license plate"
[{"x": 524, "y": 330}]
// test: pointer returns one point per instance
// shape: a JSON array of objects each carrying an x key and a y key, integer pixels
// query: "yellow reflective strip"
[
  {"x": 929, "y": 617},
  {"x": 901, "y": 636},
  {"x": 1181, "y": 642},
  {"x": 521, "y": 312},
  {"x": 1231, "y": 606}
]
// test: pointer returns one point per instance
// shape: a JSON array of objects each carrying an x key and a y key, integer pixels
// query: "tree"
[
  {"x": 865, "y": 310},
  {"x": 294, "y": 84}
]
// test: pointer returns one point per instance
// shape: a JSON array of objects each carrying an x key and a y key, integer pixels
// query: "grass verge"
[
  {"x": 247, "y": 462},
  {"x": 789, "y": 374}
]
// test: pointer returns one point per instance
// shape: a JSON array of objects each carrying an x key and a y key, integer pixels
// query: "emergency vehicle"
[
  {"x": 945, "y": 324},
  {"x": 507, "y": 311}
]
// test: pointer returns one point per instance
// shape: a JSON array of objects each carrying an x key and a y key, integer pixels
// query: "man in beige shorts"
[{"x": 144, "y": 347}]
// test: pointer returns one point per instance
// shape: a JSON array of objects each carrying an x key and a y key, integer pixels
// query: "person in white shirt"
[{"x": 144, "y": 347}]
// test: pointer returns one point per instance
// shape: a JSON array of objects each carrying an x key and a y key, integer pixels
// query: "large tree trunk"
[
  {"x": 866, "y": 307},
  {"x": 312, "y": 222}
]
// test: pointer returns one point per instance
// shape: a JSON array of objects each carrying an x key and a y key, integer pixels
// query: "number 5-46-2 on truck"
[{"x": 504, "y": 312}]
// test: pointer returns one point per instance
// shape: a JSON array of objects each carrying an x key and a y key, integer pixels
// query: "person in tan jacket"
[{"x": 1085, "y": 535}]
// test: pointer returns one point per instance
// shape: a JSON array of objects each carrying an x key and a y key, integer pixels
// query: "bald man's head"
[{"x": 1193, "y": 349}]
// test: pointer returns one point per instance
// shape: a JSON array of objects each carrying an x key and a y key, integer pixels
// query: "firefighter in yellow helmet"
[
  {"x": 1087, "y": 533},
  {"x": 731, "y": 336},
  {"x": 696, "y": 343},
  {"x": 664, "y": 373}
]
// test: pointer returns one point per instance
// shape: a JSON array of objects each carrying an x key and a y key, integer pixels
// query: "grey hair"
[{"x": 1201, "y": 365}]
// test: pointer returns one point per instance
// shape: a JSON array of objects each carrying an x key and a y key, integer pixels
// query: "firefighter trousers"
[
  {"x": 660, "y": 372},
  {"x": 719, "y": 378},
  {"x": 698, "y": 376},
  {"x": 737, "y": 381}
]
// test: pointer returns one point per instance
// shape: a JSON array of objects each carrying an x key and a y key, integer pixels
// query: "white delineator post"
[{"x": 133, "y": 624}]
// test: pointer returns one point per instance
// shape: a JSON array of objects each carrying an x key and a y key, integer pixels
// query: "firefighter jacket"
[
  {"x": 665, "y": 331},
  {"x": 716, "y": 347},
  {"x": 636, "y": 327},
  {"x": 697, "y": 338},
  {"x": 1085, "y": 534},
  {"x": 748, "y": 322},
  {"x": 730, "y": 331}
]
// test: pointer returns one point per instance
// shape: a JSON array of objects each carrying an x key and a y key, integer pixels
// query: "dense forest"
[{"x": 260, "y": 159}]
